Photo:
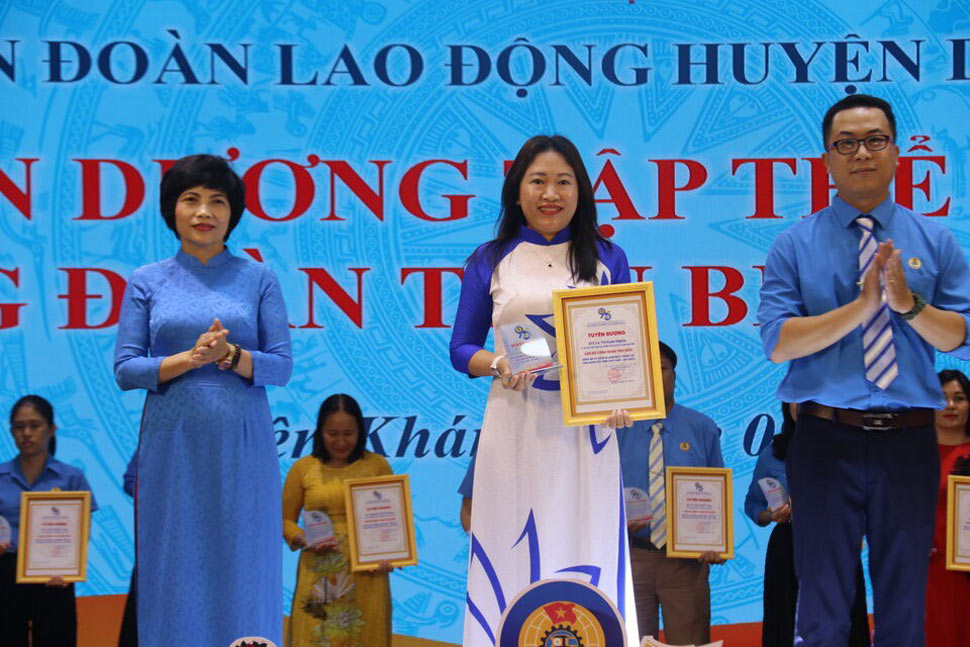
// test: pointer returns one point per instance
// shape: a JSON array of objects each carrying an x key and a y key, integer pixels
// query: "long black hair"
[
  {"x": 779, "y": 443},
  {"x": 333, "y": 404},
  {"x": 41, "y": 406},
  {"x": 583, "y": 253},
  {"x": 952, "y": 375}
]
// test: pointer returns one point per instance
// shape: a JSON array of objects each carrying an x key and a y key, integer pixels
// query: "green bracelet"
[{"x": 918, "y": 304}]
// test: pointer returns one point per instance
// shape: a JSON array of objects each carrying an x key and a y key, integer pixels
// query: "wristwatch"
[
  {"x": 918, "y": 304},
  {"x": 231, "y": 360},
  {"x": 493, "y": 367}
]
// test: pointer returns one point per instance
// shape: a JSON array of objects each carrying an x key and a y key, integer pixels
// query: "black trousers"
[
  {"x": 847, "y": 483},
  {"x": 781, "y": 595},
  {"x": 48, "y": 613},
  {"x": 129, "y": 624}
]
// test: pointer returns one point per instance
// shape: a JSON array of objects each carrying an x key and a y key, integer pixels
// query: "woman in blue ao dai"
[{"x": 204, "y": 332}]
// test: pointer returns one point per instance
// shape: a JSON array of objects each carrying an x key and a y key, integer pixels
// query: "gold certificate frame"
[
  {"x": 380, "y": 522},
  {"x": 53, "y": 537},
  {"x": 700, "y": 504},
  {"x": 606, "y": 339},
  {"x": 958, "y": 523}
]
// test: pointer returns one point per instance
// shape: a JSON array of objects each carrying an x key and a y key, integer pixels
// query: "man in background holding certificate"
[{"x": 679, "y": 587}]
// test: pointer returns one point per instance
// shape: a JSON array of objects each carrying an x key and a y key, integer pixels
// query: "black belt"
[
  {"x": 869, "y": 420},
  {"x": 645, "y": 544}
]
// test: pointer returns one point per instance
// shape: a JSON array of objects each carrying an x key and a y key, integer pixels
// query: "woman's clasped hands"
[{"x": 211, "y": 346}]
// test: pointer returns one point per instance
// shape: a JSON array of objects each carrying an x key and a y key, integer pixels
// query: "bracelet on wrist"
[
  {"x": 231, "y": 360},
  {"x": 918, "y": 304},
  {"x": 235, "y": 357}
]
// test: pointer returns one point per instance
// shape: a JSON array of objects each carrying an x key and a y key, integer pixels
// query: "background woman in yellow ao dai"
[{"x": 332, "y": 606}]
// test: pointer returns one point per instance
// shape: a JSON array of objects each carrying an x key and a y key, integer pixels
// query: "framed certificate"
[
  {"x": 606, "y": 338},
  {"x": 699, "y": 511},
  {"x": 958, "y": 523},
  {"x": 53, "y": 538},
  {"x": 380, "y": 523}
]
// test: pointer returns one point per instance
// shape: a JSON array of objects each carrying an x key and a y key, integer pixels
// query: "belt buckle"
[{"x": 878, "y": 421}]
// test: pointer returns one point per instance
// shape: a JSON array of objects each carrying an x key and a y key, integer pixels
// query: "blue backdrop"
[{"x": 373, "y": 136}]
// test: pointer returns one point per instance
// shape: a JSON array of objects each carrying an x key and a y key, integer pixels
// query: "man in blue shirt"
[
  {"x": 856, "y": 298},
  {"x": 678, "y": 586}
]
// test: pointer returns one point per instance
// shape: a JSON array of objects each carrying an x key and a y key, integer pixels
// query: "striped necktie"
[
  {"x": 877, "y": 330},
  {"x": 657, "y": 488}
]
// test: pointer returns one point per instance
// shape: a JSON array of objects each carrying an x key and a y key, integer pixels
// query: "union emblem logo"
[
  {"x": 562, "y": 624},
  {"x": 561, "y": 613}
]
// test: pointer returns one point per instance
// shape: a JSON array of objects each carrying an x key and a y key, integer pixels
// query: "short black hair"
[
  {"x": 856, "y": 101},
  {"x": 333, "y": 404},
  {"x": 41, "y": 406},
  {"x": 669, "y": 353},
  {"x": 202, "y": 170}
]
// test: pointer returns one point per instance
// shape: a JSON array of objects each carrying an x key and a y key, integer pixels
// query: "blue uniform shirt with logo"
[
  {"x": 54, "y": 475},
  {"x": 690, "y": 439},
  {"x": 813, "y": 267}
]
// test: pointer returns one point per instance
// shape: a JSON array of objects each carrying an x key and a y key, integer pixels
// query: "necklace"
[{"x": 545, "y": 258}]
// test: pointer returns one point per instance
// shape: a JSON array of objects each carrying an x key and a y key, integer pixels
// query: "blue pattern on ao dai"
[{"x": 208, "y": 501}]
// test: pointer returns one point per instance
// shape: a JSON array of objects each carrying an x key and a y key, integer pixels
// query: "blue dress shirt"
[
  {"x": 768, "y": 465},
  {"x": 813, "y": 267},
  {"x": 54, "y": 475},
  {"x": 690, "y": 439}
]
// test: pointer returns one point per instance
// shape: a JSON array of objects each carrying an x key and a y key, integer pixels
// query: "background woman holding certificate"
[
  {"x": 333, "y": 605},
  {"x": 548, "y": 501},
  {"x": 48, "y": 607},
  {"x": 948, "y": 592},
  {"x": 204, "y": 332}
]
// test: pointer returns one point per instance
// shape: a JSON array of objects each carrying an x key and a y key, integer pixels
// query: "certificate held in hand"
[
  {"x": 958, "y": 523},
  {"x": 380, "y": 523},
  {"x": 53, "y": 538},
  {"x": 699, "y": 505},
  {"x": 606, "y": 338}
]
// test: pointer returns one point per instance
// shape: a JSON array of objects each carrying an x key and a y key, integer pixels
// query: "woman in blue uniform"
[
  {"x": 42, "y": 615},
  {"x": 204, "y": 332}
]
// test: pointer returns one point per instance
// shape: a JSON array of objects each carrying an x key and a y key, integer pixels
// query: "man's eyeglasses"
[{"x": 874, "y": 144}]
